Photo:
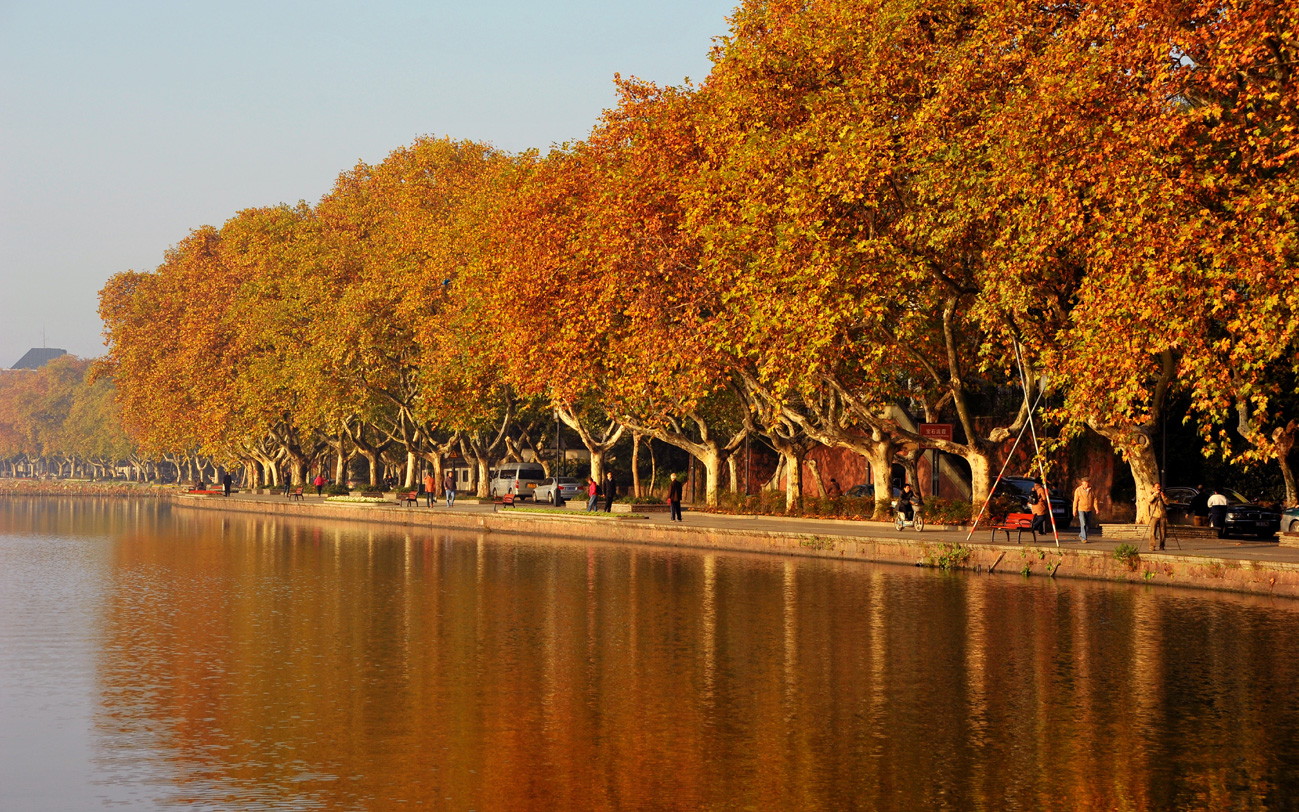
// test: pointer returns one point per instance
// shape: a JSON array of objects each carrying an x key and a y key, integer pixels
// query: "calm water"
[{"x": 153, "y": 659}]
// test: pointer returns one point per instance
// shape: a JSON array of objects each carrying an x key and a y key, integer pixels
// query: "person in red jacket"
[{"x": 592, "y": 494}]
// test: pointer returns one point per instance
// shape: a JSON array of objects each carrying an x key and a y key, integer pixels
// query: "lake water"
[{"x": 153, "y": 658}]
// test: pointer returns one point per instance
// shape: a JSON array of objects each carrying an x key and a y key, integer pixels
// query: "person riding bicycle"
[{"x": 908, "y": 501}]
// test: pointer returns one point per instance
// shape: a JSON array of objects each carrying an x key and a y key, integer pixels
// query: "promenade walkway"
[{"x": 1226, "y": 549}]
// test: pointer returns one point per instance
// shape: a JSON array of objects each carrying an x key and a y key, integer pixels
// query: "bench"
[
  {"x": 1014, "y": 521},
  {"x": 505, "y": 501},
  {"x": 296, "y": 493},
  {"x": 408, "y": 498}
]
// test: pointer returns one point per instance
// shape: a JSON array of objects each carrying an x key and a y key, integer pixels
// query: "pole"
[
  {"x": 1041, "y": 467},
  {"x": 997, "y": 481}
]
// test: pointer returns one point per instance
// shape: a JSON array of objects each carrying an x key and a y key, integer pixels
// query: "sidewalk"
[{"x": 1224, "y": 549}]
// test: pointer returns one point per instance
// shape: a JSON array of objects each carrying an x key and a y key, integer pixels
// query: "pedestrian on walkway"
[
  {"x": 319, "y": 482},
  {"x": 1084, "y": 503},
  {"x": 592, "y": 493},
  {"x": 226, "y": 482},
  {"x": 449, "y": 485},
  {"x": 674, "y": 499},
  {"x": 288, "y": 485},
  {"x": 1039, "y": 504},
  {"x": 430, "y": 489},
  {"x": 1199, "y": 507},
  {"x": 1158, "y": 519},
  {"x": 609, "y": 489}
]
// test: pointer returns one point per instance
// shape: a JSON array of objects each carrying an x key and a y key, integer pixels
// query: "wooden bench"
[
  {"x": 1014, "y": 521},
  {"x": 505, "y": 501},
  {"x": 296, "y": 493},
  {"x": 408, "y": 498}
]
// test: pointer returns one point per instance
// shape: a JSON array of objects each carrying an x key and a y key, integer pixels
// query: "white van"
[{"x": 517, "y": 478}]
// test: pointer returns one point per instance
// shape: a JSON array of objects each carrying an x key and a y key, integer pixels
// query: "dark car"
[
  {"x": 1245, "y": 518},
  {"x": 861, "y": 491},
  {"x": 1017, "y": 488}
]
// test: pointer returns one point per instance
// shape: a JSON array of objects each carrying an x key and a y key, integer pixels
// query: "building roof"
[{"x": 38, "y": 357}]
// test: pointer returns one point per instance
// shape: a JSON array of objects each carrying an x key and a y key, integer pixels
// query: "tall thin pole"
[{"x": 1041, "y": 467}]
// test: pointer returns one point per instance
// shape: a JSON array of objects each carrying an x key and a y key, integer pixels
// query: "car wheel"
[
  {"x": 551, "y": 497},
  {"x": 1294, "y": 526}
]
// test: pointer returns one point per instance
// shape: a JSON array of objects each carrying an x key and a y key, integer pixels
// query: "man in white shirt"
[{"x": 1217, "y": 509}]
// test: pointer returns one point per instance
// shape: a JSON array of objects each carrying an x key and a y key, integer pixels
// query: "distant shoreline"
[{"x": 83, "y": 487}]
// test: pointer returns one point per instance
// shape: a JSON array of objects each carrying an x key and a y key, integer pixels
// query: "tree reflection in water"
[{"x": 341, "y": 666}]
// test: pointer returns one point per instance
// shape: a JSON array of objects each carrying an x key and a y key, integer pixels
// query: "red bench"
[
  {"x": 296, "y": 493},
  {"x": 1014, "y": 521},
  {"x": 408, "y": 498}
]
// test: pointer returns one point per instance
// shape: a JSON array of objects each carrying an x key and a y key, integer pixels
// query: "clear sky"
[{"x": 123, "y": 125}]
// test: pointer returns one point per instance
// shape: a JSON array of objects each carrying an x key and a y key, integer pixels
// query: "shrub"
[
  {"x": 336, "y": 489},
  {"x": 1128, "y": 555},
  {"x": 947, "y": 511},
  {"x": 639, "y": 500}
]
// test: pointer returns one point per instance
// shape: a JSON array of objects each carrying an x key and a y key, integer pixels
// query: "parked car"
[
  {"x": 568, "y": 488},
  {"x": 519, "y": 479},
  {"x": 1017, "y": 488},
  {"x": 1246, "y": 518},
  {"x": 1290, "y": 520},
  {"x": 861, "y": 491}
]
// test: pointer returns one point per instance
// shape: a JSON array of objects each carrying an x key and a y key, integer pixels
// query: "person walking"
[
  {"x": 1158, "y": 519},
  {"x": 609, "y": 488},
  {"x": 1217, "y": 505},
  {"x": 592, "y": 494},
  {"x": 674, "y": 499},
  {"x": 833, "y": 490},
  {"x": 449, "y": 486},
  {"x": 319, "y": 482},
  {"x": 226, "y": 482},
  {"x": 430, "y": 489},
  {"x": 1039, "y": 504},
  {"x": 1084, "y": 504},
  {"x": 288, "y": 485}
]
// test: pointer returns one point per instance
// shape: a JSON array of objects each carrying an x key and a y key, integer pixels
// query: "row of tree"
[
  {"x": 58, "y": 421},
  {"x": 870, "y": 215}
]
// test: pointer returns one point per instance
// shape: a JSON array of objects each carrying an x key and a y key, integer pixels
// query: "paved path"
[{"x": 1243, "y": 550}]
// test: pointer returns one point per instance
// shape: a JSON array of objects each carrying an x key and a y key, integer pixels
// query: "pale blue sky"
[{"x": 125, "y": 124}]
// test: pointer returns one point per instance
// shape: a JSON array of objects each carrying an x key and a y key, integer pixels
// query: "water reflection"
[{"x": 238, "y": 663}]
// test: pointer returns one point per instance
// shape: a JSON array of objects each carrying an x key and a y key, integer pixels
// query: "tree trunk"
[
  {"x": 1283, "y": 447},
  {"x": 793, "y": 456},
  {"x": 410, "y": 471},
  {"x": 713, "y": 471},
  {"x": 732, "y": 471},
  {"x": 654, "y": 465},
  {"x": 635, "y": 464},
  {"x": 816, "y": 477}
]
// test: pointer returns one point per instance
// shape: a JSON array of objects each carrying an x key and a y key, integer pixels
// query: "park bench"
[
  {"x": 505, "y": 501},
  {"x": 1013, "y": 521},
  {"x": 408, "y": 498},
  {"x": 296, "y": 493}
]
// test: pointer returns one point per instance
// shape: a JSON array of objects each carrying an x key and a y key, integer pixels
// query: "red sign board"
[{"x": 936, "y": 431}]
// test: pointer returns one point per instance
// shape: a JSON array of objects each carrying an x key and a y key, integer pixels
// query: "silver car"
[{"x": 568, "y": 487}]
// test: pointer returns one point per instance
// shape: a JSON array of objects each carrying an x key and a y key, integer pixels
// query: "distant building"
[{"x": 38, "y": 357}]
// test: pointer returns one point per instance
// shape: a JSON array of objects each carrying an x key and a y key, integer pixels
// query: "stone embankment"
[
  {"x": 82, "y": 487},
  {"x": 1259, "y": 568}
]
